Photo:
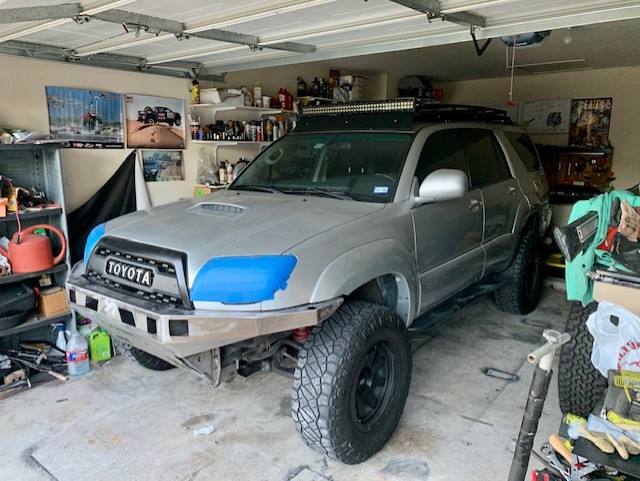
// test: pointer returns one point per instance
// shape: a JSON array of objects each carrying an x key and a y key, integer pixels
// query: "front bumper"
[{"x": 173, "y": 334}]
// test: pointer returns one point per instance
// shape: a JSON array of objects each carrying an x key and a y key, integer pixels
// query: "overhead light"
[{"x": 568, "y": 38}]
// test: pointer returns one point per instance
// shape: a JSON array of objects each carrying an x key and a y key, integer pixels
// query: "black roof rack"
[{"x": 430, "y": 112}]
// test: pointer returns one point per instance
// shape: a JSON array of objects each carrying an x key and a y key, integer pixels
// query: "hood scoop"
[{"x": 217, "y": 209}]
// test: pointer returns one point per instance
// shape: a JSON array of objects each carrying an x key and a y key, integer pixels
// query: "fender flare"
[{"x": 358, "y": 266}]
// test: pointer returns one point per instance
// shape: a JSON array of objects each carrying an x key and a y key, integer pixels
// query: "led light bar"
[{"x": 372, "y": 107}]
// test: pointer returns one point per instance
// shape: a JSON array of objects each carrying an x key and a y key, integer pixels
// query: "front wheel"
[
  {"x": 351, "y": 382},
  {"x": 523, "y": 279},
  {"x": 178, "y": 121},
  {"x": 149, "y": 361}
]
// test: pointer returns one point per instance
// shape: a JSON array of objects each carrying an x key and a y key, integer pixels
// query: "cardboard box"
[
  {"x": 624, "y": 296},
  {"x": 216, "y": 96},
  {"x": 53, "y": 301},
  {"x": 200, "y": 190}
]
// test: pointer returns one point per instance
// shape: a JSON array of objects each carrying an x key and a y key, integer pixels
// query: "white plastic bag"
[{"x": 614, "y": 346}]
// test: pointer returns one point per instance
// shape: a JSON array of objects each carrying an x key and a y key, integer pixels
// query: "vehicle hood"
[{"x": 233, "y": 223}]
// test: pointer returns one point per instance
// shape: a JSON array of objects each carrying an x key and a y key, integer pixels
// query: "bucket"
[{"x": 100, "y": 345}]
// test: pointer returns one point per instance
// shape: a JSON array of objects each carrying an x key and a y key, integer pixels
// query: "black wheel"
[
  {"x": 149, "y": 361},
  {"x": 580, "y": 384},
  {"x": 352, "y": 381},
  {"x": 151, "y": 120},
  {"x": 521, "y": 292},
  {"x": 178, "y": 120}
]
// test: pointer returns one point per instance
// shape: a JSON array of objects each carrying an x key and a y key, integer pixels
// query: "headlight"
[
  {"x": 242, "y": 279},
  {"x": 94, "y": 236}
]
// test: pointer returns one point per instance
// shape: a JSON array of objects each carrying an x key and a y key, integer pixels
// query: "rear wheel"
[
  {"x": 521, "y": 292},
  {"x": 149, "y": 361},
  {"x": 352, "y": 381},
  {"x": 580, "y": 384}
]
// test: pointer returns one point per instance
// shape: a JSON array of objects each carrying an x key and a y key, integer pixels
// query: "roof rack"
[{"x": 430, "y": 112}]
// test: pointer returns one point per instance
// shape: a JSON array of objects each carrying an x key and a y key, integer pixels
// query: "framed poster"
[
  {"x": 162, "y": 165},
  {"x": 154, "y": 122},
  {"x": 88, "y": 119},
  {"x": 547, "y": 116},
  {"x": 590, "y": 120}
]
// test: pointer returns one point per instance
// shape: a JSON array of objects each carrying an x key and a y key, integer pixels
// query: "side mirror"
[{"x": 443, "y": 184}]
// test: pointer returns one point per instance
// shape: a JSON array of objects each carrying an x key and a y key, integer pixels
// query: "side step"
[{"x": 439, "y": 313}]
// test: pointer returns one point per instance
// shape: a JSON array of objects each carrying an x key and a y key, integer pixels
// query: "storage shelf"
[
  {"x": 34, "y": 322},
  {"x": 31, "y": 275},
  {"x": 222, "y": 106},
  {"x": 35, "y": 214}
]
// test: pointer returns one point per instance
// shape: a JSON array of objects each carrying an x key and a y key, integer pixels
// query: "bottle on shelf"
[
  {"x": 223, "y": 173},
  {"x": 195, "y": 92},
  {"x": 322, "y": 88},
  {"x": 229, "y": 172},
  {"x": 330, "y": 88},
  {"x": 77, "y": 355},
  {"x": 257, "y": 95},
  {"x": 314, "y": 87},
  {"x": 302, "y": 87}
]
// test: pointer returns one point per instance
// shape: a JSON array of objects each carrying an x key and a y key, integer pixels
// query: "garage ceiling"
[{"x": 206, "y": 38}]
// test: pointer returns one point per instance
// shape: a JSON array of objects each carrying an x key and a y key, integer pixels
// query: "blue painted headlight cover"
[
  {"x": 94, "y": 236},
  {"x": 242, "y": 279}
]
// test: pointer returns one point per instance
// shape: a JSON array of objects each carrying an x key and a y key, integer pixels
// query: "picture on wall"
[
  {"x": 154, "y": 122},
  {"x": 162, "y": 165},
  {"x": 590, "y": 120},
  {"x": 88, "y": 119},
  {"x": 547, "y": 116}
]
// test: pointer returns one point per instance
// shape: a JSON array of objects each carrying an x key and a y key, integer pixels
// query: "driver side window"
[{"x": 442, "y": 150}]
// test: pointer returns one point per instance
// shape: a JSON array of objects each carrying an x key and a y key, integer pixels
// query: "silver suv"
[{"x": 370, "y": 220}]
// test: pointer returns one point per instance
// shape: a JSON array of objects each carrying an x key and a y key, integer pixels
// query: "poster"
[
  {"x": 154, "y": 122},
  {"x": 547, "y": 116},
  {"x": 590, "y": 120},
  {"x": 162, "y": 165},
  {"x": 88, "y": 119}
]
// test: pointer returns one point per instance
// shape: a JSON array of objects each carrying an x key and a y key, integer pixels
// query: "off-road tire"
[
  {"x": 523, "y": 279},
  {"x": 580, "y": 384},
  {"x": 362, "y": 351},
  {"x": 149, "y": 361},
  {"x": 178, "y": 121}
]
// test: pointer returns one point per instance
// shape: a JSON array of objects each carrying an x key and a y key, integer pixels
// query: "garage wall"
[
  {"x": 619, "y": 83},
  {"x": 23, "y": 105}
]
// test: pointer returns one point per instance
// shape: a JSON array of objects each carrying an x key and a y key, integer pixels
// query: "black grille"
[{"x": 164, "y": 268}]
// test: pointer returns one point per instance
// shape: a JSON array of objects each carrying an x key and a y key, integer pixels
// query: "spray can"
[
  {"x": 77, "y": 355},
  {"x": 195, "y": 92}
]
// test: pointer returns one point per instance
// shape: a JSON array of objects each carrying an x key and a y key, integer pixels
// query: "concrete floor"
[{"x": 122, "y": 422}]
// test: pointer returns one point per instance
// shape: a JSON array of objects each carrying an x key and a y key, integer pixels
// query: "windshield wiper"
[
  {"x": 256, "y": 188},
  {"x": 316, "y": 191}
]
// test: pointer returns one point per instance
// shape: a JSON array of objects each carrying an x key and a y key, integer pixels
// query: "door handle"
[
  {"x": 474, "y": 205},
  {"x": 512, "y": 190}
]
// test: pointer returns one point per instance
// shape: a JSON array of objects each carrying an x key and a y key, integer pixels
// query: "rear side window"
[
  {"x": 487, "y": 162},
  {"x": 523, "y": 145},
  {"x": 442, "y": 150}
]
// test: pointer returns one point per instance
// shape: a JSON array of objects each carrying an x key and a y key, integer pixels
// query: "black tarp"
[{"x": 115, "y": 198}]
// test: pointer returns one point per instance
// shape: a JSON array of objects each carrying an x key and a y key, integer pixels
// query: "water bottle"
[{"x": 77, "y": 355}]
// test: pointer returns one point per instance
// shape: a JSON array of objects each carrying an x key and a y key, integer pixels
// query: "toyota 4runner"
[{"x": 369, "y": 220}]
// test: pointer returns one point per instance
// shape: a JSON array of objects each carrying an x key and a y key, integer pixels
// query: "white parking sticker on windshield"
[{"x": 380, "y": 190}]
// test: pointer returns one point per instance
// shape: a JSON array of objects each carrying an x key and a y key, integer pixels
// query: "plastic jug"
[
  {"x": 77, "y": 355},
  {"x": 100, "y": 345}
]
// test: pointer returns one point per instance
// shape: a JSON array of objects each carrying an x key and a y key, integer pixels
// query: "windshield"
[{"x": 363, "y": 166}]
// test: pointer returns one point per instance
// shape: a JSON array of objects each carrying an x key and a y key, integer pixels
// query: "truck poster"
[
  {"x": 85, "y": 119},
  {"x": 154, "y": 122}
]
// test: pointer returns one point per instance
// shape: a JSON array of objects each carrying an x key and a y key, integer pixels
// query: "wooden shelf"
[
  {"x": 31, "y": 275},
  {"x": 34, "y": 322}
]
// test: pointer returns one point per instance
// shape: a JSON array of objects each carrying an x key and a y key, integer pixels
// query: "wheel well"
[{"x": 389, "y": 290}]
